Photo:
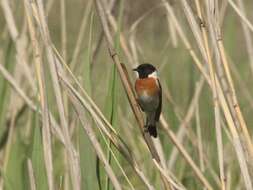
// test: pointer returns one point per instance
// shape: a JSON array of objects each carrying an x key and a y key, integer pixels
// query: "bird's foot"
[{"x": 146, "y": 129}]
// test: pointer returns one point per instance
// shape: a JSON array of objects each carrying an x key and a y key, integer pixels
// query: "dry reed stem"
[
  {"x": 9, "y": 19},
  {"x": 172, "y": 32},
  {"x": 7, "y": 76},
  {"x": 231, "y": 86},
  {"x": 247, "y": 35},
  {"x": 235, "y": 136},
  {"x": 200, "y": 67},
  {"x": 184, "y": 153},
  {"x": 121, "y": 147},
  {"x": 132, "y": 33},
  {"x": 92, "y": 137},
  {"x": 63, "y": 30},
  {"x": 223, "y": 11},
  {"x": 92, "y": 107},
  {"x": 186, "y": 41},
  {"x": 232, "y": 93},
  {"x": 225, "y": 101},
  {"x": 215, "y": 98},
  {"x": 200, "y": 140},
  {"x": 192, "y": 53},
  {"x": 225, "y": 108},
  {"x": 241, "y": 15},
  {"x": 14, "y": 84},
  {"x": 243, "y": 86},
  {"x": 183, "y": 127},
  {"x": 19, "y": 40},
  {"x": 113, "y": 24},
  {"x": 125, "y": 80},
  {"x": 7, "y": 149},
  {"x": 127, "y": 87},
  {"x": 234, "y": 99},
  {"x": 31, "y": 175},
  {"x": 96, "y": 113},
  {"x": 81, "y": 34},
  {"x": 73, "y": 157},
  {"x": 158, "y": 147},
  {"x": 47, "y": 145},
  {"x": 16, "y": 87},
  {"x": 168, "y": 178}
]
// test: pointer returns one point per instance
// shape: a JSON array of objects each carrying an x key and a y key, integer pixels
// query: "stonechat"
[{"x": 149, "y": 95}]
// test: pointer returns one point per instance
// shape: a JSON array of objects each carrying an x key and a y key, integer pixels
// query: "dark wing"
[{"x": 159, "y": 109}]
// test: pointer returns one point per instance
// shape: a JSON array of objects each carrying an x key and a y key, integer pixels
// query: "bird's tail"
[{"x": 152, "y": 130}]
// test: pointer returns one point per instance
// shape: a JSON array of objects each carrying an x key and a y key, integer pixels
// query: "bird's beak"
[{"x": 135, "y": 69}]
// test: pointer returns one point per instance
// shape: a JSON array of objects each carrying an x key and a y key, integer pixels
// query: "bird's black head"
[{"x": 145, "y": 70}]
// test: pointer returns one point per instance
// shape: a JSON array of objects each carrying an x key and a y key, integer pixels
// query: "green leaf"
[
  {"x": 87, "y": 155},
  {"x": 38, "y": 157},
  {"x": 16, "y": 170}
]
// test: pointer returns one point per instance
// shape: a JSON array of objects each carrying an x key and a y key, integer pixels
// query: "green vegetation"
[{"x": 68, "y": 116}]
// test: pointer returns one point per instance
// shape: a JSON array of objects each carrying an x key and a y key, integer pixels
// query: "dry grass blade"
[
  {"x": 108, "y": 130},
  {"x": 66, "y": 102},
  {"x": 232, "y": 98},
  {"x": 215, "y": 97},
  {"x": 95, "y": 143},
  {"x": 80, "y": 35},
  {"x": 125, "y": 80},
  {"x": 43, "y": 100},
  {"x": 127, "y": 87},
  {"x": 63, "y": 30},
  {"x": 242, "y": 16},
  {"x": 185, "y": 121},
  {"x": 200, "y": 141},
  {"x": 29, "y": 102},
  {"x": 72, "y": 154},
  {"x": 226, "y": 111},
  {"x": 114, "y": 139},
  {"x": 247, "y": 35},
  {"x": 186, "y": 156},
  {"x": 31, "y": 175},
  {"x": 169, "y": 179}
]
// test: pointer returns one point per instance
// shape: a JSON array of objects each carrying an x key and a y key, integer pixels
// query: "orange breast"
[{"x": 146, "y": 85}]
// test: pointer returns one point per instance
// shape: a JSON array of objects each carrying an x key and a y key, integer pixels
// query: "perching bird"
[{"x": 149, "y": 95}]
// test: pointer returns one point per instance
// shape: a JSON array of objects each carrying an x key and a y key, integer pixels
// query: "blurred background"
[{"x": 143, "y": 31}]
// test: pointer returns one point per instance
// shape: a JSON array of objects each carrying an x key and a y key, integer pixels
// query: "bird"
[{"x": 149, "y": 95}]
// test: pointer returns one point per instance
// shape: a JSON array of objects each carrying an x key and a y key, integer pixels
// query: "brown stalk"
[
  {"x": 114, "y": 138},
  {"x": 127, "y": 86},
  {"x": 125, "y": 80},
  {"x": 92, "y": 108}
]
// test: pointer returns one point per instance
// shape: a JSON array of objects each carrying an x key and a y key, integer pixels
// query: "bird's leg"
[
  {"x": 145, "y": 128},
  {"x": 146, "y": 125}
]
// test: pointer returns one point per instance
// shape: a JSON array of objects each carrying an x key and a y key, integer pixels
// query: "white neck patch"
[{"x": 153, "y": 75}]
